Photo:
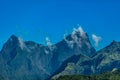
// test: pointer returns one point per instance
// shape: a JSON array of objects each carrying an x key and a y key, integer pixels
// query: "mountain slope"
[
  {"x": 72, "y": 59},
  {"x": 75, "y": 44},
  {"x": 23, "y": 60},
  {"x": 107, "y": 59},
  {"x": 20, "y": 59},
  {"x": 114, "y": 75}
]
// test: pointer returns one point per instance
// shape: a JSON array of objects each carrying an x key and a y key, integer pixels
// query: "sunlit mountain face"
[
  {"x": 73, "y": 55},
  {"x": 30, "y": 60},
  {"x": 35, "y": 20},
  {"x": 105, "y": 60},
  {"x": 43, "y": 40}
]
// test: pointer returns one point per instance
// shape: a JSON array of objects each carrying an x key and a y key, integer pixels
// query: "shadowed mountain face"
[
  {"x": 74, "y": 44},
  {"x": 27, "y": 60},
  {"x": 23, "y": 60},
  {"x": 107, "y": 59}
]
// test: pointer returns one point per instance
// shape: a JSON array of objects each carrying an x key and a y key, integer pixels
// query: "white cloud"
[
  {"x": 79, "y": 30},
  {"x": 96, "y": 39},
  {"x": 82, "y": 33},
  {"x": 70, "y": 43},
  {"x": 65, "y": 35},
  {"x": 49, "y": 44},
  {"x": 75, "y": 38}
]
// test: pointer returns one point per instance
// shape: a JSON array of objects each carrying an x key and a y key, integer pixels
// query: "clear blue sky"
[{"x": 36, "y": 19}]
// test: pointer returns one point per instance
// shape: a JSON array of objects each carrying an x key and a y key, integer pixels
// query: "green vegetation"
[{"x": 115, "y": 75}]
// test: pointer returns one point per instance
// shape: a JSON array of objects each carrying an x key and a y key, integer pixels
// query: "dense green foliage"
[{"x": 115, "y": 75}]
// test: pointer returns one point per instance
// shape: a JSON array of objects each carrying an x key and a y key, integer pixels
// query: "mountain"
[
  {"x": 114, "y": 75},
  {"x": 70, "y": 62},
  {"x": 27, "y": 60},
  {"x": 74, "y": 55},
  {"x": 106, "y": 59},
  {"x": 23, "y": 60},
  {"x": 74, "y": 44}
]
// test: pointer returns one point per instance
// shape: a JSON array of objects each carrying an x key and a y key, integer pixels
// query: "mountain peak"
[
  {"x": 15, "y": 41},
  {"x": 114, "y": 42},
  {"x": 79, "y": 32},
  {"x": 13, "y": 37},
  {"x": 76, "y": 34},
  {"x": 78, "y": 41}
]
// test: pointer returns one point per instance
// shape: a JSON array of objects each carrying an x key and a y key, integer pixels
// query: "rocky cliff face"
[
  {"x": 75, "y": 44},
  {"x": 107, "y": 59},
  {"x": 21, "y": 60},
  {"x": 27, "y": 60}
]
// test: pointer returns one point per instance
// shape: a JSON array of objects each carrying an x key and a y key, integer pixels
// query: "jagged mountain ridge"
[
  {"x": 26, "y": 60},
  {"x": 23, "y": 60},
  {"x": 106, "y": 59},
  {"x": 18, "y": 56},
  {"x": 74, "y": 44}
]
